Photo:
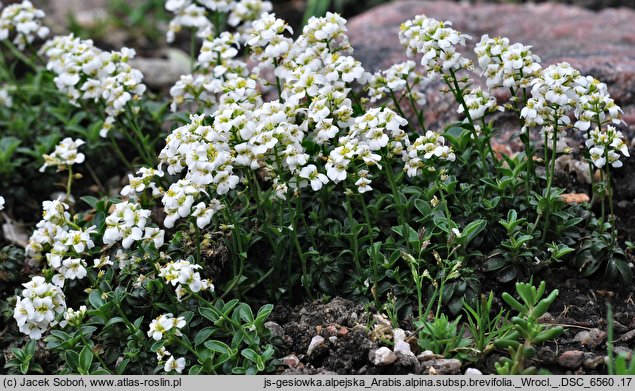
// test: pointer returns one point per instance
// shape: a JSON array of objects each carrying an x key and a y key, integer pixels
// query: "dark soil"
[{"x": 581, "y": 307}]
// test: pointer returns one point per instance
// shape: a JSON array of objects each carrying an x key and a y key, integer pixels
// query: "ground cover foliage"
[{"x": 280, "y": 171}]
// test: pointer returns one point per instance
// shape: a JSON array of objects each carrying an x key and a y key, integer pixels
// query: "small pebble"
[
  {"x": 403, "y": 347},
  {"x": 629, "y": 336},
  {"x": 591, "y": 338},
  {"x": 291, "y": 361},
  {"x": 398, "y": 335},
  {"x": 571, "y": 359},
  {"x": 472, "y": 372},
  {"x": 383, "y": 356},
  {"x": 316, "y": 342}
]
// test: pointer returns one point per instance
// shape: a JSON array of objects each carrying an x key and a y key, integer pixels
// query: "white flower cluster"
[
  {"x": 23, "y": 20},
  {"x": 327, "y": 33},
  {"x": 216, "y": 65},
  {"x": 553, "y": 96},
  {"x": 1, "y": 203},
  {"x": 479, "y": 103},
  {"x": 86, "y": 72},
  {"x": 141, "y": 182},
  {"x": 73, "y": 317},
  {"x": 36, "y": 311},
  {"x": 437, "y": 42},
  {"x": 595, "y": 104},
  {"x": 267, "y": 39},
  {"x": 65, "y": 155},
  {"x": 401, "y": 77},
  {"x": 315, "y": 77},
  {"x": 128, "y": 223},
  {"x": 196, "y": 14},
  {"x": 185, "y": 274},
  {"x": 5, "y": 97},
  {"x": 376, "y": 129},
  {"x": 504, "y": 65},
  {"x": 163, "y": 324},
  {"x": 424, "y": 148},
  {"x": 62, "y": 241},
  {"x": 604, "y": 145}
]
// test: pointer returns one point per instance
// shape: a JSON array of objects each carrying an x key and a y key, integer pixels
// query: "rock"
[
  {"x": 316, "y": 342},
  {"x": 398, "y": 335},
  {"x": 331, "y": 329},
  {"x": 575, "y": 198},
  {"x": 406, "y": 363},
  {"x": 581, "y": 171},
  {"x": 473, "y": 372},
  {"x": 619, "y": 328},
  {"x": 163, "y": 71},
  {"x": 403, "y": 347},
  {"x": 442, "y": 366},
  {"x": 591, "y": 338},
  {"x": 556, "y": 33},
  {"x": 291, "y": 361},
  {"x": 343, "y": 332},
  {"x": 275, "y": 329},
  {"x": 332, "y": 339},
  {"x": 428, "y": 355},
  {"x": 571, "y": 359},
  {"x": 592, "y": 361},
  {"x": 629, "y": 336},
  {"x": 382, "y": 356}
]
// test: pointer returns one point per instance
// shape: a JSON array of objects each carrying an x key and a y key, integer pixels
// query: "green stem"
[
  {"x": 69, "y": 182},
  {"x": 19, "y": 55},
  {"x": 453, "y": 84},
  {"x": 354, "y": 242},
  {"x": 551, "y": 169}
]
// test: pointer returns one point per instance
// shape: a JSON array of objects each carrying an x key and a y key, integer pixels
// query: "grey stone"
[
  {"x": 591, "y": 338},
  {"x": 382, "y": 356},
  {"x": 571, "y": 359},
  {"x": 316, "y": 342}
]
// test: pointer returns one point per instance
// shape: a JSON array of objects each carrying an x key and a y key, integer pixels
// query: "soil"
[{"x": 580, "y": 308}]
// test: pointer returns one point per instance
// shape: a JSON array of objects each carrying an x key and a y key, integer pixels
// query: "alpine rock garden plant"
[{"x": 290, "y": 173}]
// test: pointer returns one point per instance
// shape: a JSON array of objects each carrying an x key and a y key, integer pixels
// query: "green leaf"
[
  {"x": 94, "y": 298},
  {"x": 85, "y": 359},
  {"x": 91, "y": 201},
  {"x": 471, "y": 230},
  {"x": 72, "y": 360},
  {"x": 218, "y": 347},
  {"x": 203, "y": 335},
  {"x": 509, "y": 299},
  {"x": 121, "y": 367}
]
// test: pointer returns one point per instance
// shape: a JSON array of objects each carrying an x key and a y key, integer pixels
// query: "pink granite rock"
[{"x": 601, "y": 44}]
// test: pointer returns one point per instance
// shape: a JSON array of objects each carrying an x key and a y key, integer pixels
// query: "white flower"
[
  {"x": 74, "y": 268},
  {"x": 65, "y": 155},
  {"x": 1, "y": 203},
  {"x": 316, "y": 178},
  {"x": 175, "y": 365}
]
